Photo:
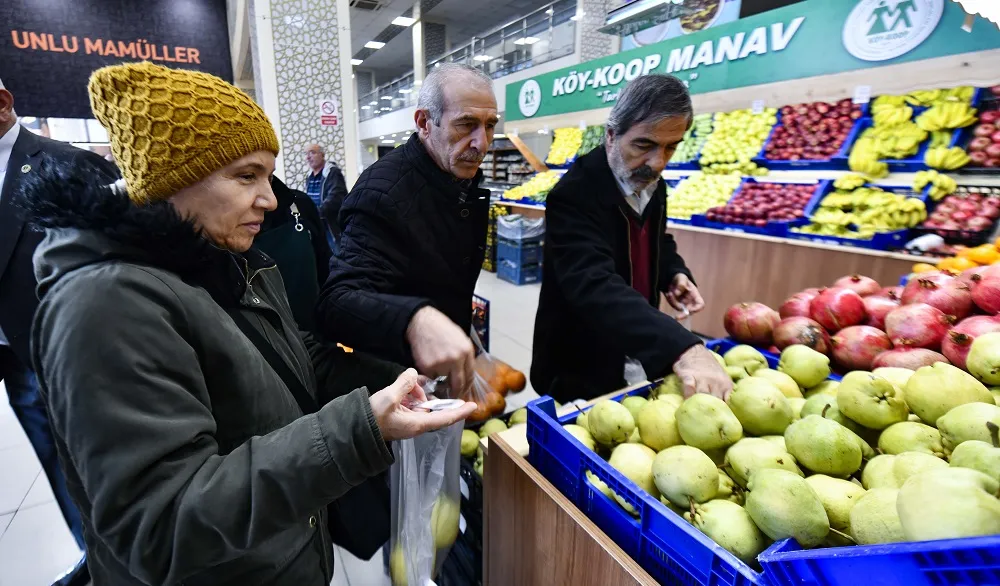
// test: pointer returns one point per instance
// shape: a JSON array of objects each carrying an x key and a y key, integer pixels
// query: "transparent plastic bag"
[
  {"x": 425, "y": 504},
  {"x": 483, "y": 390}
]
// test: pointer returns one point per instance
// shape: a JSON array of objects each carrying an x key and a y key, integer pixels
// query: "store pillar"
[
  {"x": 297, "y": 48},
  {"x": 419, "y": 63},
  {"x": 590, "y": 42}
]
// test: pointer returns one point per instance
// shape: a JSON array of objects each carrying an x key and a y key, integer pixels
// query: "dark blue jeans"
[{"x": 28, "y": 407}]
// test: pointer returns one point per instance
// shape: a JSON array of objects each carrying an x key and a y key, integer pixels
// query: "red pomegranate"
[
  {"x": 801, "y": 330},
  {"x": 972, "y": 276},
  {"x": 855, "y": 348},
  {"x": 860, "y": 284},
  {"x": 914, "y": 286},
  {"x": 751, "y": 323},
  {"x": 952, "y": 296},
  {"x": 797, "y": 305},
  {"x": 837, "y": 308},
  {"x": 918, "y": 326},
  {"x": 958, "y": 341},
  {"x": 912, "y": 358},
  {"x": 986, "y": 294},
  {"x": 892, "y": 292},
  {"x": 877, "y": 307}
]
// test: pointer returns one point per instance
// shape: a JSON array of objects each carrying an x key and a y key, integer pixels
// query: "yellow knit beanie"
[{"x": 171, "y": 128}]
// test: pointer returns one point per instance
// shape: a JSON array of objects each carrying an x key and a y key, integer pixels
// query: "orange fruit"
[
  {"x": 495, "y": 403},
  {"x": 516, "y": 381},
  {"x": 482, "y": 412},
  {"x": 922, "y": 267},
  {"x": 498, "y": 384},
  {"x": 502, "y": 368}
]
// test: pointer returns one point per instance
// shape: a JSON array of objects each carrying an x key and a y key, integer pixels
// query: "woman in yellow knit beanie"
[{"x": 183, "y": 396}]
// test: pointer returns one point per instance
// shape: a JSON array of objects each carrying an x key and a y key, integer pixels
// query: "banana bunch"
[
  {"x": 943, "y": 115},
  {"x": 565, "y": 143},
  {"x": 536, "y": 188},
  {"x": 887, "y": 116},
  {"x": 864, "y": 158},
  {"x": 942, "y": 184},
  {"x": 850, "y": 182},
  {"x": 864, "y": 212},
  {"x": 932, "y": 97},
  {"x": 946, "y": 158},
  {"x": 940, "y": 138},
  {"x": 898, "y": 142},
  {"x": 887, "y": 102}
]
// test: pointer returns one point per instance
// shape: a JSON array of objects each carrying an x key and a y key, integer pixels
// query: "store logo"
[
  {"x": 879, "y": 30},
  {"x": 530, "y": 98}
]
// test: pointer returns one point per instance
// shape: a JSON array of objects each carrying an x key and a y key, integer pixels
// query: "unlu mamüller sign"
[
  {"x": 50, "y": 48},
  {"x": 140, "y": 49}
]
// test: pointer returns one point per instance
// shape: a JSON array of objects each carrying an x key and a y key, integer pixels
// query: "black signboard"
[{"x": 48, "y": 48}]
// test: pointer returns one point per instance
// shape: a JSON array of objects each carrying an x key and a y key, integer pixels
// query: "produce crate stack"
[
  {"x": 490, "y": 258},
  {"x": 519, "y": 249}
]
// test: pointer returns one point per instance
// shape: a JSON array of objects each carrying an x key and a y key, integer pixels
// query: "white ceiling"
[{"x": 463, "y": 19}]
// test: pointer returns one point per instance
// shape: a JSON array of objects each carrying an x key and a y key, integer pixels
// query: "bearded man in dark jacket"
[
  {"x": 414, "y": 235},
  {"x": 609, "y": 261}
]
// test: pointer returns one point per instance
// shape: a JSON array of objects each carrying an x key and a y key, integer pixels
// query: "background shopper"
[
  {"x": 22, "y": 156},
  {"x": 326, "y": 186}
]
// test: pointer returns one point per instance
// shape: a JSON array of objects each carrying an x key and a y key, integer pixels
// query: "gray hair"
[
  {"x": 649, "y": 98},
  {"x": 431, "y": 96}
]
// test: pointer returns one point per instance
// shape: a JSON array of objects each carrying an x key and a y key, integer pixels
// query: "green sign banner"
[{"x": 814, "y": 37}]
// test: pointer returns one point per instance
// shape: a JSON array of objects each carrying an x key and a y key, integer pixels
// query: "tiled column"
[
  {"x": 297, "y": 49},
  {"x": 593, "y": 44}
]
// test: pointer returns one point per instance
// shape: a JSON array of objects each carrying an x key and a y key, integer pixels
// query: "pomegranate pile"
[{"x": 862, "y": 325}]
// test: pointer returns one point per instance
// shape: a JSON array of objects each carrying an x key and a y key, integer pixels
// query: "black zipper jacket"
[
  {"x": 589, "y": 316},
  {"x": 410, "y": 239}
]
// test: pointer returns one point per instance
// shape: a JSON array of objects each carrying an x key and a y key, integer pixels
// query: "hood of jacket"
[{"x": 87, "y": 223}]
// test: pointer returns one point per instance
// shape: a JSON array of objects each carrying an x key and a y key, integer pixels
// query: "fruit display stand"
[{"x": 533, "y": 534}]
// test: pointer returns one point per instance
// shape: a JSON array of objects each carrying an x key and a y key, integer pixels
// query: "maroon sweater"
[{"x": 640, "y": 254}]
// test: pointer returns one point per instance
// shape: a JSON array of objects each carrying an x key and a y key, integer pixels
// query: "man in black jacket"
[
  {"x": 414, "y": 235},
  {"x": 21, "y": 156},
  {"x": 608, "y": 259}
]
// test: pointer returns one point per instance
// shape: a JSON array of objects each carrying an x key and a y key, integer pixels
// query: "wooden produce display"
[{"x": 535, "y": 535}]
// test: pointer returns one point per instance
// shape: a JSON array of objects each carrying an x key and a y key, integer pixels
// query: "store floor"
[{"x": 35, "y": 545}]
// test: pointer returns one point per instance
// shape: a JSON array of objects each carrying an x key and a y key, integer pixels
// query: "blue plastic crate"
[
  {"x": 518, "y": 274},
  {"x": 911, "y": 165},
  {"x": 661, "y": 542},
  {"x": 837, "y": 162},
  {"x": 525, "y": 252},
  {"x": 959, "y": 562},
  {"x": 773, "y": 228}
]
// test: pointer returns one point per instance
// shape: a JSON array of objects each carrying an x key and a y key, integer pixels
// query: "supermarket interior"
[{"x": 715, "y": 301}]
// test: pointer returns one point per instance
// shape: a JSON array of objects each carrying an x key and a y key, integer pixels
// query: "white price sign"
[
  {"x": 862, "y": 94},
  {"x": 583, "y": 125},
  {"x": 757, "y": 107}
]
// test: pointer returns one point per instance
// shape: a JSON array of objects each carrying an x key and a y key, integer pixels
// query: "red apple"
[
  {"x": 992, "y": 163},
  {"x": 979, "y": 223},
  {"x": 977, "y": 158},
  {"x": 993, "y": 151},
  {"x": 995, "y": 90},
  {"x": 984, "y": 130},
  {"x": 960, "y": 216},
  {"x": 995, "y": 137},
  {"x": 979, "y": 143},
  {"x": 990, "y": 117}
]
